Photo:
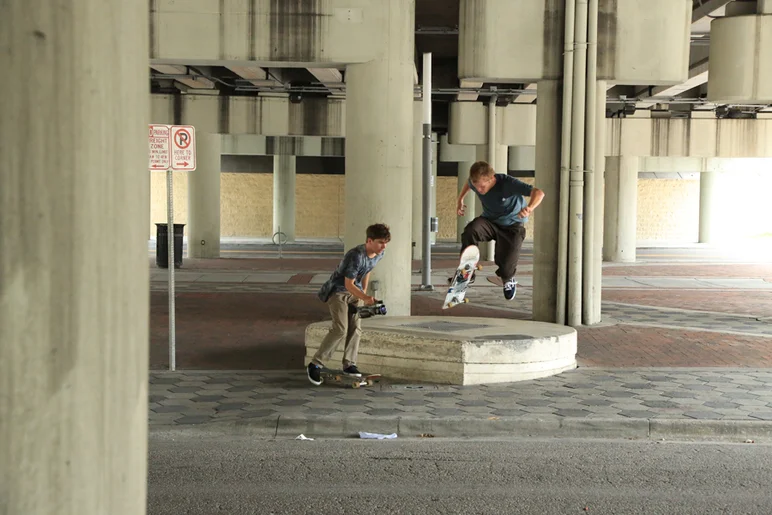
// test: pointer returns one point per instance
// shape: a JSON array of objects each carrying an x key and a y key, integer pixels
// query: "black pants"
[{"x": 509, "y": 240}]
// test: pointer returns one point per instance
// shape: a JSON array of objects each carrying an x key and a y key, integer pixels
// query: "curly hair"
[{"x": 378, "y": 232}]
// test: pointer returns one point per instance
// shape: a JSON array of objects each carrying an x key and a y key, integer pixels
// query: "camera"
[{"x": 379, "y": 308}]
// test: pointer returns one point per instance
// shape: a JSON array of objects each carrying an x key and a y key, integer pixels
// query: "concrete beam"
[
  {"x": 192, "y": 82},
  {"x": 698, "y": 75},
  {"x": 471, "y": 96},
  {"x": 330, "y": 78},
  {"x": 527, "y": 98},
  {"x": 707, "y": 7},
  {"x": 254, "y": 74}
]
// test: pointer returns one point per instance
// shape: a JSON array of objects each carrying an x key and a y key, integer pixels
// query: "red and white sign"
[
  {"x": 183, "y": 147},
  {"x": 159, "y": 147}
]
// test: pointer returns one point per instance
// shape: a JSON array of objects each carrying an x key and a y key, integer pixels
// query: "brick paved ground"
[
  {"x": 758, "y": 303},
  {"x": 253, "y": 330}
]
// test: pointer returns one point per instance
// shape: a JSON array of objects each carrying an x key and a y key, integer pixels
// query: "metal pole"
[
  {"x": 426, "y": 276},
  {"x": 170, "y": 238}
]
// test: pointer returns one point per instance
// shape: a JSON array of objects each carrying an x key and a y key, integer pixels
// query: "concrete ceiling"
[{"x": 436, "y": 26}]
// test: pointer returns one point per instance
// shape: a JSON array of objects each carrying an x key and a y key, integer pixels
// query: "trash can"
[{"x": 162, "y": 245}]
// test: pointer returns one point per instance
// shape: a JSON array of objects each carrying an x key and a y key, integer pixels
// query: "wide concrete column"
[
  {"x": 204, "y": 199},
  {"x": 284, "y": 195},
  {"x": 74, "y": 214},
  {"x": 379, "y": 155},
  {"x": 621, "y": 204},
  {"x": 545, "y": 245}
]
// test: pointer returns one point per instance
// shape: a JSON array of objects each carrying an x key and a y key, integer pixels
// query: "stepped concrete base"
[{"x": 456, "y": 350}]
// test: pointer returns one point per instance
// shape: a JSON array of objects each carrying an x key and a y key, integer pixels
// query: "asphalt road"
[{"x": 192, "y": 474}]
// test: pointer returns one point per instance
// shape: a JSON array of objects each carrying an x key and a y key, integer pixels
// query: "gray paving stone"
[
  {"x": 719, "y": 404},
  {"x": 384, "y": 412},
  {"x": 175, "y": 408},
  {"x": 533, "y": 402},
  {"x": 447, "y": 412},
  {"x": 661, "y": 404},
  {"x": 618, "y": 394},
  {"x": 232, "y": 406},
  {"x": 412, "y": 402},
  {"x": 208, "y": 398},
  {"x": 596, "y": 402},
  {"x": 194, "y": 419},
  {"x": 242, "y": 388},
  {"x": 761, "y": 415},
  {"x": 156, "y": 398},
  {"x": 184, "y": 389},
  {"x": 472, "y": 403},
  {"x": 680, "y": 395},
  {"x": 164, "y": 380},
  {"x": 322, "y": 411},
  {"x": 559, "y": 394},
  {"x": 291, "y": 402},
  {"x": 637, "y": 386},
  {"x": 351, "y": 402}
]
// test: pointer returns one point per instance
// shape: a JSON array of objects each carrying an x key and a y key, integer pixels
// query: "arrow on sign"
[{"x": 183, "y": 164}]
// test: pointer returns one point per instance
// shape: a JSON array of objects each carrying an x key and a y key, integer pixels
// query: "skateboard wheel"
[
  {"x": 466, "y": 301},
  {"x": 479, "y": 267},
  {"x": 356, "y": 384},
  {"x": 451, "y": 304}
]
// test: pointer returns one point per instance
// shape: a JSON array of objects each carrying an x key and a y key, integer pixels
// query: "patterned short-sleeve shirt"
[{"x": 354, "y": 265}]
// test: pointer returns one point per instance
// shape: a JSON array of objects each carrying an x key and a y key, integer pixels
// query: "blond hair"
[{"x": 479, "y": 170}]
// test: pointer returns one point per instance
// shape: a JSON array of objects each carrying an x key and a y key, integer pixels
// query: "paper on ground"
[{"x": 377, "y": 436}]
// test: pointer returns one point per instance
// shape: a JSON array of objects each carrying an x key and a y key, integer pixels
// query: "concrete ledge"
[
  {"x": 290, "y": 426},
  {"x": 457, "y": 350}
]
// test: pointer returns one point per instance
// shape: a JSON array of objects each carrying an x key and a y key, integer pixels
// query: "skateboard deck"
[
  {"x": 340, "y": 377},
  {"x": 467, "y": 265}
]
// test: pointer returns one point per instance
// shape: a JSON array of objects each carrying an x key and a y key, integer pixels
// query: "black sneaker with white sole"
[
  {"x": 510, "y": 289},
  {"x": 315, "y": 373},
  {"x": 352, "y": 370}
]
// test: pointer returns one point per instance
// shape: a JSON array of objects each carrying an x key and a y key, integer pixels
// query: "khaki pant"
[{"x": 345, "y": 323}]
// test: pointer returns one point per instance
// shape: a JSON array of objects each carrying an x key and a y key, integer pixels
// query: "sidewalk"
[
  {"x": 684, "y": 351},
  {"x": 617, "y": 403}
]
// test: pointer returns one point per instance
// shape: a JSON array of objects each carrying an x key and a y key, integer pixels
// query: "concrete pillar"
[
  {"x": 621, "y": 204},
  {"x": 379, "y": 164},
  {"x": 469, "y": 213},
  {"x": 600, "y": 171},
  {"x": 522, "y": 158},
  {"x": 545, "y": 245},
  {"x": 284, "y": 195},
  {"x": 710, "y": 204},
  {"x": 74, "y": 217},
  {"x": 433, "y": 203},
  {"x": 417, "y": 204},
  {"x": 204, "y": 199}
]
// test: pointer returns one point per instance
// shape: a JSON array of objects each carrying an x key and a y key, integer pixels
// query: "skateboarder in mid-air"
[
  {"x": 342, "y": 292},
  {"x": 503, "y": 219}
]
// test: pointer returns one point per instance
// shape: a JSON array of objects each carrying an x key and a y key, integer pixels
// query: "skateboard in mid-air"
[
  {"x": 340, "y": 377},
  {"x": 464, "y": 273}
]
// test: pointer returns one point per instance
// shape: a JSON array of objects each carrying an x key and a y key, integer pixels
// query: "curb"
[{"x": 289, "y": 426}]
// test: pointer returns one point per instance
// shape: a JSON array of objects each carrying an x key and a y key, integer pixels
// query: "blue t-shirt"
[
  {"x": 354, "y": 265},
  {"x": 504, "y": 200}
]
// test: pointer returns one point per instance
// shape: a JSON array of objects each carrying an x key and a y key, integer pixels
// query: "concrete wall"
[{"x": 668, "y": 210}]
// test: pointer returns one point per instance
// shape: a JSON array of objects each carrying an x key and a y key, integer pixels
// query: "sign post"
[{"x": 171, "y": 147}]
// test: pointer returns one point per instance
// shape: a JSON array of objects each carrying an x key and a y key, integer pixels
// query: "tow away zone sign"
[{"x": 172, "y": 147}]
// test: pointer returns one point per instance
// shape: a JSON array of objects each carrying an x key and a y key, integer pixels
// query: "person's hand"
[
  {"x": 526, "y": 211},
  {"x": 460, "y": 208},
  {"x": 369, "y": 301}
]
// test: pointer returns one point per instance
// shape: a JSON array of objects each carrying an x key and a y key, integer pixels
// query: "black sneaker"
[
  {"x": 352, "y": 370},
  {"x": 510, "y": 289},
  {"x": 315, "y": 373}
]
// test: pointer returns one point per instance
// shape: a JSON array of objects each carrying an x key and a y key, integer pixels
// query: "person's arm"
[
  {"x": 352, "y": 288},
  {"x": 365, "y": 282},
  {"x": 537, "y": 196},
  {"x": 460, "y": 207}
]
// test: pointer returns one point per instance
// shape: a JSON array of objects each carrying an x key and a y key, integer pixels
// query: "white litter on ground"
[{"x": 377, "y": 436}]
